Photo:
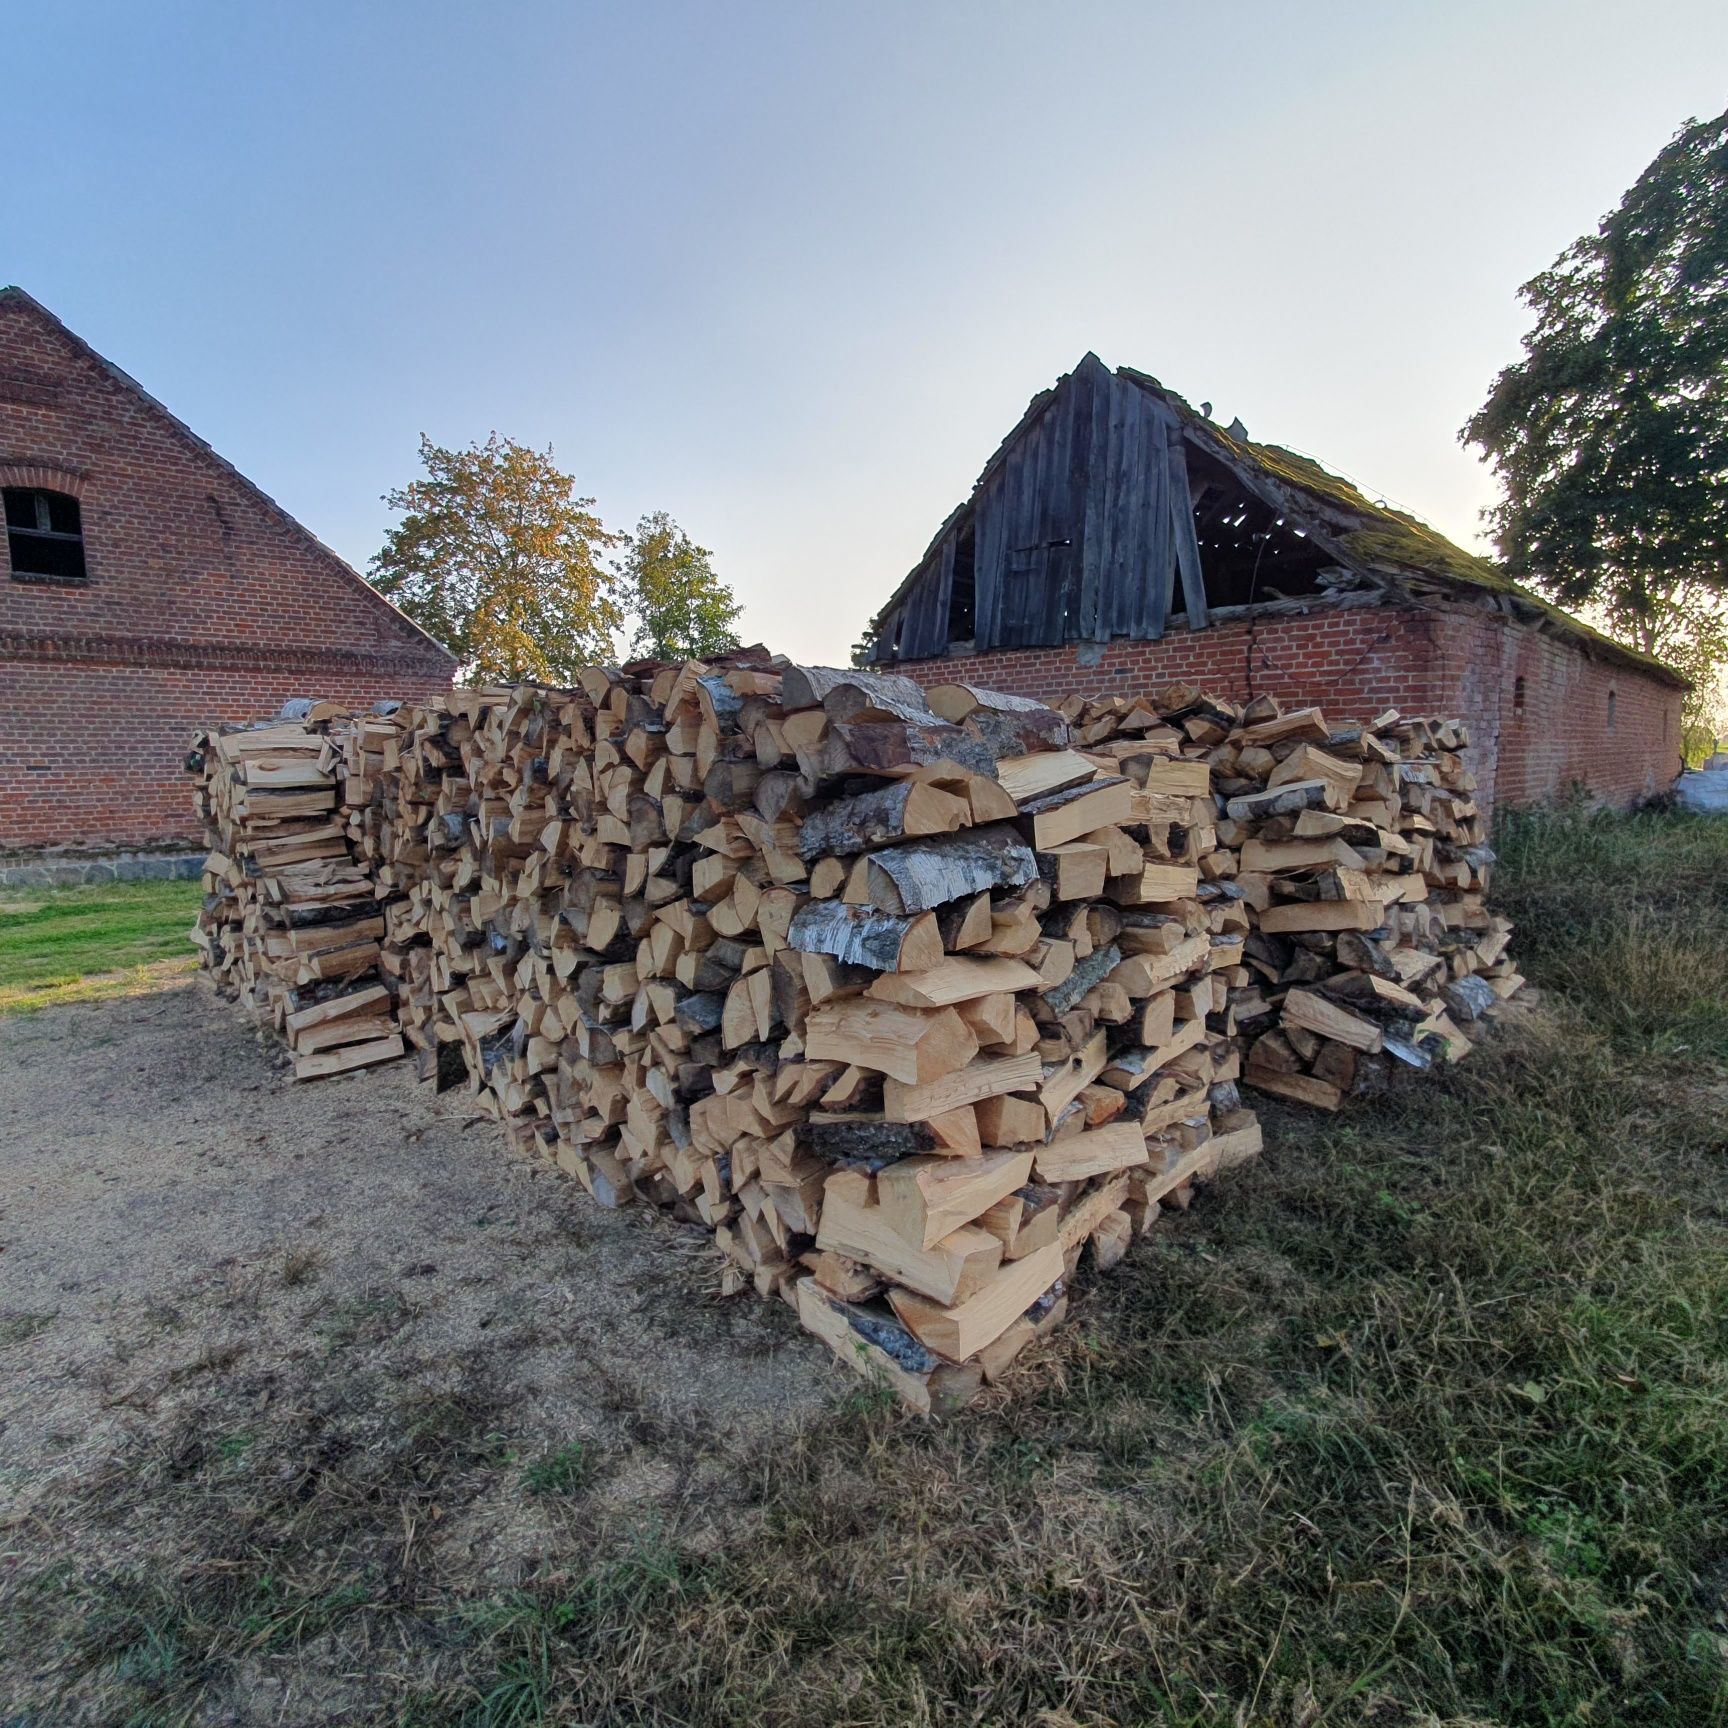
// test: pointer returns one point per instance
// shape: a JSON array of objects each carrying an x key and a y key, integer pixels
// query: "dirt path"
[{"x": 204, "y": 1264}]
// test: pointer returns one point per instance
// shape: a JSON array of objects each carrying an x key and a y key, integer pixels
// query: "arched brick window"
[
  {"x": 44, "y": 535},
  {"x": 1518, "y": 694},
  {"x": 1613, "y": 704}
]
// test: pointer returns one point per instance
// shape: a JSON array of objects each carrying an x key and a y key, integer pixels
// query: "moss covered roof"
[{"x": 1385, "y": 539}]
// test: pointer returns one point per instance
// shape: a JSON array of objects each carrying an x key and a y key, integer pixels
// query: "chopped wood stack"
[
  {"x": 1359, "y": 858},
  {"x": 289, "y": 923},
  {"x": 906, "y": 1001},
  {"x": 915, "y": 998}
]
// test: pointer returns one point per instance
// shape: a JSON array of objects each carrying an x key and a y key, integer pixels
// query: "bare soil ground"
[{"x": 202, "y": 1263}]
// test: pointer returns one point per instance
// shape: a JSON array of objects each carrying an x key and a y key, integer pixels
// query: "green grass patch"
[
  {"x": 84, "y": 944},
  {"x": 564, "y": 1470}
]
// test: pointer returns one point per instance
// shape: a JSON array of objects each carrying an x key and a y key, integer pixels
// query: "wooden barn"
[{"x": 1119, "y": 539}]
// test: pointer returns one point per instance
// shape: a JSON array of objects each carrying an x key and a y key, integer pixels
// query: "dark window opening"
[
  {"x": 1612, "y": 705},
  {"x": 1518, "y": 694},
  {"x": 1249, "y": 552},
  {"x": 963, "y": 592},
  {"x": 44, "y": 535}
]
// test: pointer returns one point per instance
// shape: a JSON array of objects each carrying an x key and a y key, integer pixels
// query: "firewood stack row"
[
  {"x": 917, "y": 999},
  {"x": 910, "y": 1003},
  {"x": 1360, "y": 859},
  {"x": 289, "y": 924}
]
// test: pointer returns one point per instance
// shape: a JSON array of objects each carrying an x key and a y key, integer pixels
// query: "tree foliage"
[
  {"x": 1687, "y": 627},
  {"x": 498, "y": 558},
  {"x": 1610, "y": 436},
  {"x": 683, "y": 610}
]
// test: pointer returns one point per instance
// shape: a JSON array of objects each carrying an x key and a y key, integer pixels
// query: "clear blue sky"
[{"x": 790, "y": 270}]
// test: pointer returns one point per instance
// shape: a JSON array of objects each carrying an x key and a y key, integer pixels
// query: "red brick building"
[
  {"x": 1119, "y": 540},
  {"x": 148, "y": 587}
]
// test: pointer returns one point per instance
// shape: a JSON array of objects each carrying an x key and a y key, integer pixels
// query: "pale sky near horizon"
[{"x": 790, "y": 271}]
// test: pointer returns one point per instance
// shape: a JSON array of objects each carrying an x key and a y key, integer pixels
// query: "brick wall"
[
  {"x": 1539, "y": 713},
  {"x": 1357, "y": 659},
  {"x": 204, "y": 601}
]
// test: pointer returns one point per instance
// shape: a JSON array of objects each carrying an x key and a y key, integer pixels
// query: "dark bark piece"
[
  {"x": 1092, "y": 970},
  {"x": 866, "y": 1139},
  {"x": 926, "y": 873},
  {"x": 1021, "y": 734},
  {"x": 863, "y": 936},
  {"x": 1469, "y": 998},
  {"x": 730, "y": 785},
  {"x": 846, "y": 693},
  {"x": 1068, "y": 794},
  {"x": 890, "y": 746},
  {"x": 1364, "y": 954},
  {"x": 780, "y": 792},
  {"x": 1286, "y": 800},
  {"x": 720, "y": 701},
  {"x": 701, "y": 1012},
  {"x": 906, "y": 809}
]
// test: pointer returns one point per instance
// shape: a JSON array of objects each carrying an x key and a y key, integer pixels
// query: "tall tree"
[
  {"x": 683, "y": 610},
  {"x": 498, "y": 558},
  {"x": 1610, "y": 436}
]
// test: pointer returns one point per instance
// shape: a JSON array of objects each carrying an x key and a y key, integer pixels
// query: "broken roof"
[{"x": 1386, "y": 546}]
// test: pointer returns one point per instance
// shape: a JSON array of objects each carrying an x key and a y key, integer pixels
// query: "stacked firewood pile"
[
  {"x": 918, "y": 999},
  {"x": 289, "y": 924},
  {"x": 1361, "y": 861},
  {"x": 908, "y": 1005}
]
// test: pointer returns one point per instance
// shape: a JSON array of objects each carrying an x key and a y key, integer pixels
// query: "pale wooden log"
[
  {"x": 915, "y": 1046},
  {"x": 325, "y": 1062},
  {"x": 934, "y": 1390},
  {"x": 1028, "y": 778},
  {"x": 1299, "y": 854},
  {"x": 363, "y": 1001},
  {"x": 928, "y": 1198},
  {"x": 1070, "y": 814},
  {"x": 963, "y": 1328},
  {"x": 957, "y": 978},
  {"x": 1327, "y": 1019},
  {"x": 949, "y": 1271},
  {"x": 1322, "y": 915},
  {"x": 1096, "y": 1152},
  {"x": 981, "y": 1079},
  {"x": 1300, "y": 1088}
]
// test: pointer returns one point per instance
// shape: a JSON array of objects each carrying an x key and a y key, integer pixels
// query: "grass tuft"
[{"x": 566, "y": 1470}]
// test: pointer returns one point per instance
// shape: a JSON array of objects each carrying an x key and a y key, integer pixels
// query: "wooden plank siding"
[{"x": 1081, "y": 525}]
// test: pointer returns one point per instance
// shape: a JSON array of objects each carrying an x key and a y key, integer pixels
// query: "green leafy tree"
[
  {"x": 1610, "y": 436},
  {"x": 1686, "y": 626},
  {"x": 682, "y": 608},
  {"x": 498, "y": 558}
]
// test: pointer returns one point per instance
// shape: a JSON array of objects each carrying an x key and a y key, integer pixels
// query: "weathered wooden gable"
[{"x": 1077, "y": 530}]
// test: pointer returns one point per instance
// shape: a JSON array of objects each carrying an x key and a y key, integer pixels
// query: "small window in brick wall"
[
  {"x": 1612, "y": 705},
  {"x": 44, "y": 536},
  {"x": 1518, "y": 694}
]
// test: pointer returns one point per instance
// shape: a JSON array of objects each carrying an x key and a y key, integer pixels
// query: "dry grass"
[{"x": 1419, "y": 1423}]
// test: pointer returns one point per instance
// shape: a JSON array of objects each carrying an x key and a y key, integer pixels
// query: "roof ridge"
[{"x": 128, "y": 382}]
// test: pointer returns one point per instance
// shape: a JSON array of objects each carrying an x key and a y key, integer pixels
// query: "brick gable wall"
[
  {"x": 204, "y": 603},
  {"x": 1354, "y": 660}
]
